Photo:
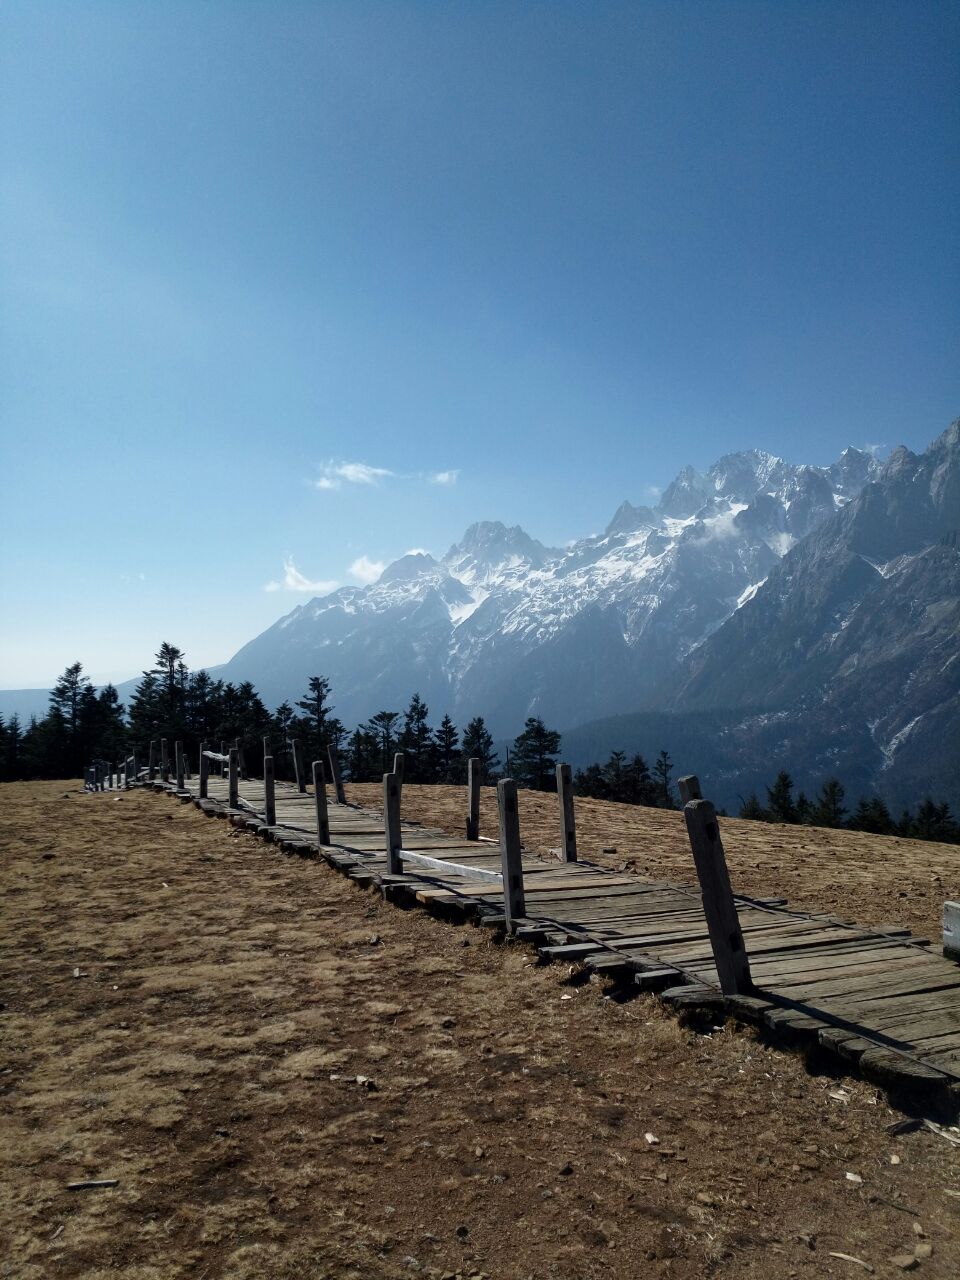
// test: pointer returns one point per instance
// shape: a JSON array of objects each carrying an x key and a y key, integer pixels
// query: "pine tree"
[
  {"x": 828, "y": 809},
  {"x": 318, "y": 721},
  {"x": 446, "y": 741},
  {"x": 363, "y": 756},
  {"x": 478, "y": 745},
  {"x": 872, "y": 816},
  {"x": 640, "y": 781},
  {"x": 752, "y": 808},
  {"x": 383, "y": 726},
  {"x": 416, "y": 742},
  {"x": 662, "y": 771},
  {"x": 172, "y": 672},
  {"x": 780, "y": 802},
  {"x": 533, "y": 759}
]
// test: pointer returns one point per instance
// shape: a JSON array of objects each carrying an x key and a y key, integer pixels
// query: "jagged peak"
[
  {"x": 413, "y": 565},
  {"x": 627, "y": 517},
  {"x": 491, "y": 542}
]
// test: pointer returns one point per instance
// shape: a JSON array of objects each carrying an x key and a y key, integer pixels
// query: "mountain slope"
[
  {"x": 506, "y": 627},
  {"x": 852, "y": 644}
]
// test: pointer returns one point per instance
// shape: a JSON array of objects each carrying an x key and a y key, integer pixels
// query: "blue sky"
[{"x": 290, "y": 288}]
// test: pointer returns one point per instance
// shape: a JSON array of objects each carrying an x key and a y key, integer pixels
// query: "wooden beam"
[
  {"x": 514, "y": 905},
  {"x": 568, "y": 824},
  {"x": 951, "y": 930},
  {"x": 164, "y": 761},
  {"x": 473, "y": 798},
  {"x": 723, "y": 924},
  {"x": 152, "y": 763},
  {"x": 178, "y": 752},
  {"x": 335, "y": 774},
  {"x": 320, "y": 796},
  {"x": 689, "y": 788},
  {"x": 233, "y": 793},
  {"x": 204, "y": 771},
  {"x": 393, "y": 841},
  {"x": 269, "y": 793},
  {"x": 298, "y": 767}
]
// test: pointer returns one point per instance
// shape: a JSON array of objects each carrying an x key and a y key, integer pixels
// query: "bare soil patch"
[{"x": 289, "y": 1078}]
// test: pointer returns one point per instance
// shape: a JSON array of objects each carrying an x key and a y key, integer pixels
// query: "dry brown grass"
[{"x": 207, "y": 1056}]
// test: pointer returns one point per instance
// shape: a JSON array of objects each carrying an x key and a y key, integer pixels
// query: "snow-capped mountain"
[{"x": 506, "y": 627}]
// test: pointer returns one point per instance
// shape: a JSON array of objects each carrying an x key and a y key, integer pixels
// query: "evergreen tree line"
[
  {"x": 84, "y": 724},
  {"x": 929, "y": 821}
]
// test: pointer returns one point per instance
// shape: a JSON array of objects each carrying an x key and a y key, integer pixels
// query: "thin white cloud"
[
  {"x": 334, "y": 474},
  {"x": 417, "y": 551},
  {"x": 874, "y": 450},
  {"x": 366, "y": 570},
  {"x": 294, "y": 580},
  {"x": 652, "y": 491}
]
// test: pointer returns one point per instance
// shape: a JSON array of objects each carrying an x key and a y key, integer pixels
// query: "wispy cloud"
[
  {"x": 875, "y": 450},
  {"x": 294, "y": 580},
  {"x": 652, "y": 491},
  {"x": 334, "y": 474},
  {"x": 365, "y": 570}
]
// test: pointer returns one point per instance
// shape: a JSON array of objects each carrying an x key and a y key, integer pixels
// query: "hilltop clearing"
[{"x": 288, "y": 1077}]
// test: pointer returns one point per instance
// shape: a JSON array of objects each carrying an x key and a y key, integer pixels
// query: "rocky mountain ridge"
[{"x": 506, "y": 627}]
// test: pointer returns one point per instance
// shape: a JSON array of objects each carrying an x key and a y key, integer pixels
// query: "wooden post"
[
  {"x": 269, "y": 793},
  {"x": 152, "y": 760},
  {"x": 164, "y": 761},
  {"x": 136, "y": 771},
  {"x": 689, "y": 788},
  {"x": 266, "y": 745},
  {"x": 951, "y": 930},
  {"x": 568, "y": 822},
  {"x": 178, "y": 750},
  {"x": 514, "y": 905},
  {"x": 393, "y": 842},
  {"x": 320, "y": 795},
  {"x": 473, "y": 798},
  {"x": 242, "y": 764},
  {"x": 204, "y": 771},
  {"x": 335, "y": 774},
  {"x": 298, "y": 767},
  {"x": 398, "y": 766},
  {"x": 723, "y": 925},
  {"x": 233, "y": 797}
]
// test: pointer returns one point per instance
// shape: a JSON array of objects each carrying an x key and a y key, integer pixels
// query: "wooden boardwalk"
[{"x": 878, "y": 998}]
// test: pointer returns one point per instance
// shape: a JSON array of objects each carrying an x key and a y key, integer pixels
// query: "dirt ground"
[
  {"x": 873, "y": 880},
  {"x": 289, "y": 1078}
]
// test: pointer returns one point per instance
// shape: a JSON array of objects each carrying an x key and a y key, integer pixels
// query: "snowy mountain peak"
[
  {"x": 489, "y": 548},
  {"x": 413, "y": 565},
  {"x": 628, "y": 518}
]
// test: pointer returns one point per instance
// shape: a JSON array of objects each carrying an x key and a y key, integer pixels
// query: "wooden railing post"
[
  {"x": 393, "y": 841},
  {"x": 152, "y": 760},
  {"x": 204, "y": 771},
  {"x": 398, "y": 766},
  {"x": 233, "y": 795},
  {"x": 136, "y": 767},
  {"x": 335, "y": 774},
  {"x": 514, "y": 904},
  {"x": 719, "y": 908},
  {"x": 568, "y": 822},
  {"x": 269, "y": 793},
  {"x": 178, "y": 752},
  {"x": 689, "y": 788},
  {"x": 473, "y": 798},
  {"x": 164, "y": 761},
  {"x": 298, "y": 767},
  {"x": 320, "y": 796}
]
